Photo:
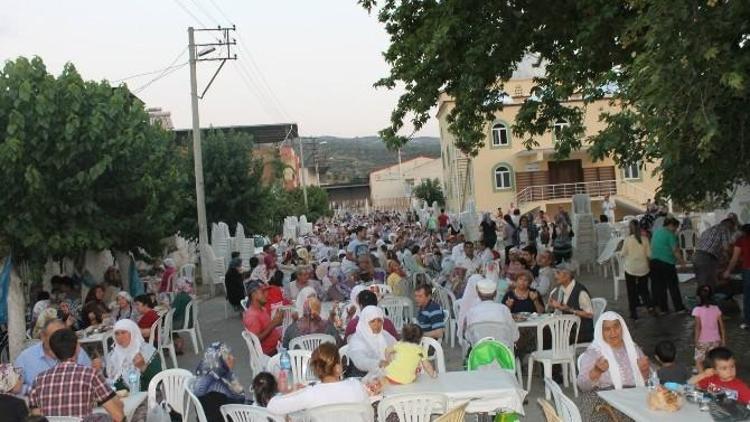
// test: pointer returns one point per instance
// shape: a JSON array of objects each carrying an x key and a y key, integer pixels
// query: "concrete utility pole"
[
  {"x": 195, "y": 57},
  {"x": 304, "y": 171}
]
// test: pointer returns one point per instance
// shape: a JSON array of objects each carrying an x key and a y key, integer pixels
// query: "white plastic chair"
[
  {"x": 193, "y": 401},
  {"x": 600, "y": 305},
  {"x": 566, "y": 408},
  {"x": 300, "y": 365},
  {"x": 310, "y": 342},
  {"x": 561, "y": 352},
  {"x": 247, "y": 413},
  {"x": 164, "y": 339},
  {"x": 443, "y": 297},
  {"x": 412, "y": 407},
  {"x": 499, "y": 331},
  {"x": 243, "y": 303},
  {"x": 153, "y": 334},
  {"x": 688, "y": 239},
  {"x": 187, "y": 271},
  {"x": 258, "y": 359},
  {"x": 382, "y": 289},
  {"x": 438, "y": 358},
  {"x": 394, "y": 310},
  {"x": 172, "y": 384},
  {"x": 344, "y": 354},
  {"x": 191, "y": 318},
  {"x": 350, "y": 412},
  {"x": 288, "y": 317},
  {"x": 618, "y": 272}
]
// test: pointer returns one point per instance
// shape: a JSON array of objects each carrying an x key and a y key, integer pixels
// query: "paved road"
[{"x": 647, "y": 331}]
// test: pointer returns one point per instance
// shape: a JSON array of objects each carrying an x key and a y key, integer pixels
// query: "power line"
[
  {"x": 221, "y": 12},
  {"x": 205, "y": 12},
  {"x": 166, "y": 71},
  {"x": 189, "y": 12},
  {"x": 138, "y": 75}
]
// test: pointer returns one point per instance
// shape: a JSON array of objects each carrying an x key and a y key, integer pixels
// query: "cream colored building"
[
  {"x": 389, "y": 190},
  {"x": 505, "y": 172}
]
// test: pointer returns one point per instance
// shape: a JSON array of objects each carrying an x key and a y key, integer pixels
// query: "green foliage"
[
  {"x": 232, "y": 178},
  {"x": 429, "y": 190},
  {"x": 679, "y": 70},
  {"x": 82, "y": 166},
  {"x": 292, "y": 202}
]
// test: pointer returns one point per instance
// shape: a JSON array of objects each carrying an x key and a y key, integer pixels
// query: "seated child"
[
  {"x": 406, "y": 357},
  {"x": 723, "y": 375},
  {"x": 670, "y": 371}
]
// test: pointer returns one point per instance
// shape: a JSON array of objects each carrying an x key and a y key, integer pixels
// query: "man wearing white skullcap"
[{"x": 488, "y": 310}]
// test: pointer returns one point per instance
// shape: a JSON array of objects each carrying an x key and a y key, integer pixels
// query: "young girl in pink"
[{"x": 709, "y": 327}]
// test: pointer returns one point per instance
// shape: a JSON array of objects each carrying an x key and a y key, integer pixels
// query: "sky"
[{"x": 312, "y": 62}]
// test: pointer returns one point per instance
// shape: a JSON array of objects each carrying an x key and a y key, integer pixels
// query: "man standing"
[
  {"x": 70, "y": 389},
  {"x": 259, "y": 322},
  {"x": 40, "y": 357},
  {"x": 572, "y": 297},
  {"x": 443, "y": 224},
  {"x": 741, "y": 253},
  {"x": 430, "y": 316},
  {"x": 665, "y": 253},
  {"x": 468, "y": 260},
  {"x": 358, "y": 246},
  {"x": 608, "y": 208},
  {"x": 488, "y": 310},
  {"x": 544, "y": 281},
  {"x": 712, "y": 245}
]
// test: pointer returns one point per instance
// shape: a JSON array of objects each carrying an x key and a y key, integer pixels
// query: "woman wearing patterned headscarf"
[
  {"x": 216, "y": 384},
  {"x": 12, "y": 408}
]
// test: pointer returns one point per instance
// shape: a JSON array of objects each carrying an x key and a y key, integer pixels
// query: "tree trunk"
[
  {"x": 123, "y": 263},
  {"x": 16, "y": 315}
]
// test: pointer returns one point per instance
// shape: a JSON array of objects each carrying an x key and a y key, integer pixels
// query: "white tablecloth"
[
  {"x": 534, "y": 321},
  {"x": 632, "y": 402},
  {"x": 130, "y": 403},
  {"x": 488, "y": 390}
]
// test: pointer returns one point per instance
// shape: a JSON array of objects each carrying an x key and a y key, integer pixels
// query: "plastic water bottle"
[
  {"x": 653, "y": 380},
  {"x": 134, "y": 380},
  {"x": 285, "y": 364}
]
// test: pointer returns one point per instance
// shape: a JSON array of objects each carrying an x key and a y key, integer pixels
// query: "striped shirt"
[
  {"x": 430, "y": 317},
  {"x": 715, "y": 241},
  {"x": 69, "y": 389}
]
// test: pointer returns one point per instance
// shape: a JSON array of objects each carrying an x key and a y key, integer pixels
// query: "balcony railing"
[{"x": 566, "y": 190}]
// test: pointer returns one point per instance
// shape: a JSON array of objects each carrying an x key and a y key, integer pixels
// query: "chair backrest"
[
  {"x": 247, "y": 413},
  {"x": 192, "y": 401},
  {"x": 499, "y": 331},
  {"x": 560, "y": 327},
  {"x": 243, "y": 303},
  {"x": 354, "y": 412},
  {"x": 600, "y": 305},
  {"x": 153, "y": 334},
  {"x": 288, "y": 317},
  {"x": 618, "y": 269},
  {"x": 566, "y": 408},
  {"x": 382, "y": 289},
  {"x": 172, "y": 382},
  {"x": 688, "y": 239},
  {"x": 165, "y": 329},
  {"x": 63, "y": 418},
  {"x": 187, "y": 271},
  {"x": 300, "y": 365},
  {"x": 550, "y": 414},
  {"x": 258, "y": 359},
  {"x": 344, "y": 354},
  {"x": 488, "y": 351},
  {"x": 412, "y": 407},
  {"x": 394, "y": 310},
  {"x": 218, "y": 270},
  {"x": 438, "y": 357},
  {"x": 454, "y": 415},
  {"x": 310, "y": 342}
]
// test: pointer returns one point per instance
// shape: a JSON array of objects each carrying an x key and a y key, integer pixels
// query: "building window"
[
  {"x": 632, "y": 171},
  {"x": 503, "y": 177},
  {"x": 500, "y": 136},
  {"x": 559, "y": 126}
]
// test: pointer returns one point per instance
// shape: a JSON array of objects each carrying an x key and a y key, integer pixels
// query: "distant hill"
[{"x": 343, "y": 160}]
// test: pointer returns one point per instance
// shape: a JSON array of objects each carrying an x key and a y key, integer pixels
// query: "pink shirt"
[
  {"x": 709, "y": 317},
  {"x": 255, "y": 321}
]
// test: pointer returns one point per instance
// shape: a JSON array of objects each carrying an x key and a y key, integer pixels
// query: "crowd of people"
[{"x": 337, "y": 280}]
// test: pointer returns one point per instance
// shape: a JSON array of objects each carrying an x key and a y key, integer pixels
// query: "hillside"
[{"x": 345, "y": 159}]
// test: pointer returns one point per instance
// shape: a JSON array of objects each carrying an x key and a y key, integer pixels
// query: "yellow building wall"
[{"x": 517, "y": 157}]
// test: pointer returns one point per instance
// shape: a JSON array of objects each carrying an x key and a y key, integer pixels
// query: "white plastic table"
[
  {"x": 633, "y": 403},
  {"x": 98, "y": 338},
  {"x": 130, "y": 404},
  {"x": 534, "y": 321},
  {"x": 489, "y": 390}
]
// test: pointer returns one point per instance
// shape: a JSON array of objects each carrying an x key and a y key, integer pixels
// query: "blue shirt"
[
  {"x": 430, "y": 317},
  {"x": 34, "y": 362}
]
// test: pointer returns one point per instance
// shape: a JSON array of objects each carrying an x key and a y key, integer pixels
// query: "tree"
[
  {"x": 292, "y": 202},
  {"x": 83, "y": 166},
  {"x": 429, "y": 190},
  {"x": 678, "y": 69},
  {"x": 234, "y": 188}
]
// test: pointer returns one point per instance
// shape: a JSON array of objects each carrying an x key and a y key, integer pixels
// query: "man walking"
[
  {"x": 713, "y": 244},
  {"x": 665, "y": 253}
]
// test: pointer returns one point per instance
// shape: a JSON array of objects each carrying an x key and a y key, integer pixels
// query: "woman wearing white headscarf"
[
  {"x": 131, "y": 351},
  {"x": 302, "y": 297},
  {"x": 367, "y": 345},
  {"x": 612, "y": 360}
]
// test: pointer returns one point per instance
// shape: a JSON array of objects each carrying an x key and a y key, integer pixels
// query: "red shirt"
[
  {"x": 743, "y": 392},
  {"x": 744, "y": 244},
  {"x": 443, "y": 220},
  {"x": 270, "y": 262},
  {"x": 274, "y": 295},
  {"x": 147, "y": 320},
  {"x": 388, "y": 326},
  {"x": 255, "y": 321}
]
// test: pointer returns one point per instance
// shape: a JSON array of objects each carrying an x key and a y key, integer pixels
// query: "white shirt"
[
  {"x": 584, "y": 300},
  {"x": 350, "y": 390},
  {"x": 457, "y": 252},
  {"x": 491, "y": 311},
  {"x": 471, "y": 265}
]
